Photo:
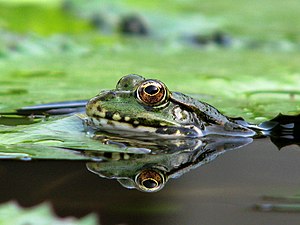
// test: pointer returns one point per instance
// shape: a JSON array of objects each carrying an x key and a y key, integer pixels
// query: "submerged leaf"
[
  {"x": 12, "y": 213},
  {"x": 57, "y": 138}
]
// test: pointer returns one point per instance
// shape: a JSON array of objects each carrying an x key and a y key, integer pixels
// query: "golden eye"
[
  {"x": 152, "y": 92},
  {"x": 150, "y": 180}
]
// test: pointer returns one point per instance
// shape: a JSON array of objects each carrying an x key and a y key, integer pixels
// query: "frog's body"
[{"x": 145, "y": 108}]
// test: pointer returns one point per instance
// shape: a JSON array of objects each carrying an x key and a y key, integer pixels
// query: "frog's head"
[
  {"x": 146, "y": 108},
  {"x": 141, "y": 106}
]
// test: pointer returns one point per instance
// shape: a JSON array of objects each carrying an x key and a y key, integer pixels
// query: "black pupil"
[
  {"x": 151, "y": 90},
  {"x": 150, "y": 183}
]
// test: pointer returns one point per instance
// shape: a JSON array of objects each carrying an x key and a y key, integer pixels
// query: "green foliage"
[
  {"x": 31, "y": 18},
  {"x": 11, "y": 213},
  {"x": 53, "y": 139}
]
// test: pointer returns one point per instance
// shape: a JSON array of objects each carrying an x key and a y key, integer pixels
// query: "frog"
[{"x": 146, "y": 109}]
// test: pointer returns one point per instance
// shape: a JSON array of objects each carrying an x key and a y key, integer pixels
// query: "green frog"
[{"x": 147, "y": 109}]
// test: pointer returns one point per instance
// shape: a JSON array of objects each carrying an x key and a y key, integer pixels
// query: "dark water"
[{"x": 225, "y": 191}]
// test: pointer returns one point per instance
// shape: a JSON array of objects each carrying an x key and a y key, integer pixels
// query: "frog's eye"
[
  {"x": 152, "y": 93},
  {"x": 150, "y": 180}
]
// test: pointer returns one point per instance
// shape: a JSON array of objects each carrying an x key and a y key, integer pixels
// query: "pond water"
[{"x": 228, "y": 190}]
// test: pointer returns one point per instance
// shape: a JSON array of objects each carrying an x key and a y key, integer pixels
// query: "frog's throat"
[{"x": 144, "y": 132}]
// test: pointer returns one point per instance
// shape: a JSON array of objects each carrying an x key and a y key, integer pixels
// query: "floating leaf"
[
  {"x": 57, "y": 138},
  {"x": 12, "y": 213}
]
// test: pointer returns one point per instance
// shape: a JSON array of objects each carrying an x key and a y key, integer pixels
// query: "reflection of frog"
[
  {"x": 145, "y": 108},
  {"x": 149, "y": 173}
]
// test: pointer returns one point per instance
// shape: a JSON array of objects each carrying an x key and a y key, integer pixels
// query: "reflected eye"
[
  {"x": 150, "y": 180},
  {"x": 153, "y": 93}
]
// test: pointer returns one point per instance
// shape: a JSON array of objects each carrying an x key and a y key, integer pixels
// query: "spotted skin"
[{"x": 138, "y": 105}]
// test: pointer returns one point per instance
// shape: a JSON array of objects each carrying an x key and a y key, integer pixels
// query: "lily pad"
[
  {"x": 59, "y": 138},
  {"x": 12, "y": 213}
]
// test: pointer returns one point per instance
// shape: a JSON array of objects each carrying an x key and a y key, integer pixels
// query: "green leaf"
[
  {"x": 40, "y": 19},
  {"x": 56, "y": 138},
  {"x": 12, "y": 213}
]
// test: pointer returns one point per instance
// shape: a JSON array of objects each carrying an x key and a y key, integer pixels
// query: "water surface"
[{"x": 225, "y": 191}]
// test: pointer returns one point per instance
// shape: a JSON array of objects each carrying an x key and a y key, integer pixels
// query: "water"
[{"x": 224, "y": 191}]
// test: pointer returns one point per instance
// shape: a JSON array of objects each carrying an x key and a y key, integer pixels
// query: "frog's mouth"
[{"x": 128, "y": 127}]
